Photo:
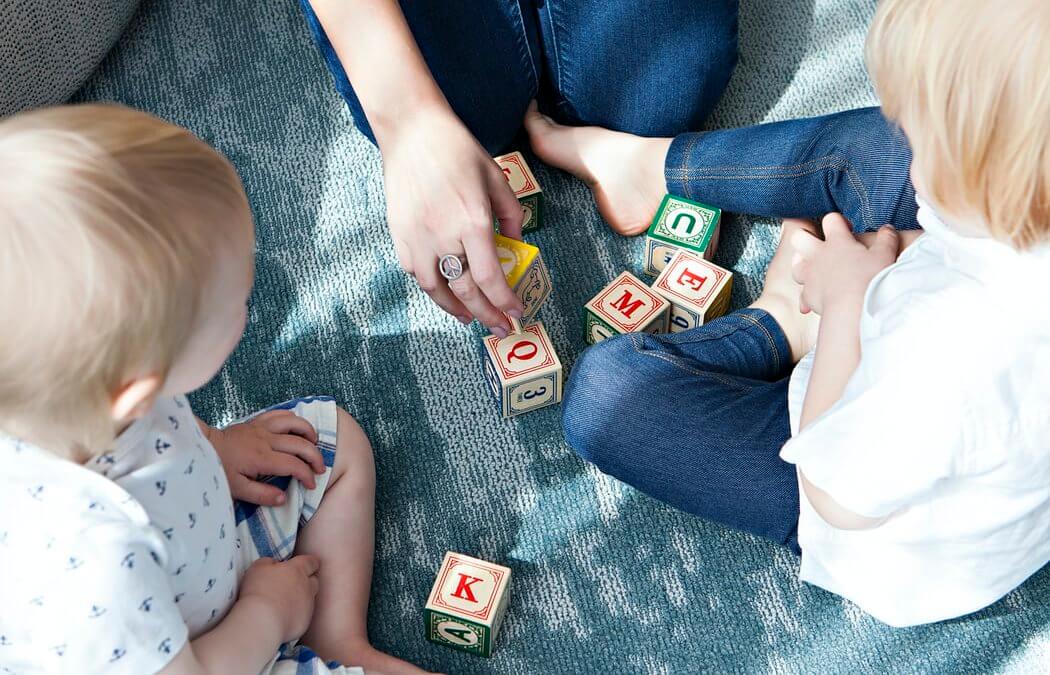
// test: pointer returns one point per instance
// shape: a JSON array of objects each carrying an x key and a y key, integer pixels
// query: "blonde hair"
[
  {"x": 109, "y": 221},
  {"x": 967, "y": 79}
]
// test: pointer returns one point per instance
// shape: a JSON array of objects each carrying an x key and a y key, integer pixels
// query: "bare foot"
[
  {"x": 780, "y": 294},
  {"x": 376, "y": 662},
  {"x": 625, "y": 172}
]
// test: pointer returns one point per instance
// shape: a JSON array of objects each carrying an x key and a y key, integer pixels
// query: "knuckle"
[
  {"x": 429, "y": 285},
  {"x": 464, "y": 289}
]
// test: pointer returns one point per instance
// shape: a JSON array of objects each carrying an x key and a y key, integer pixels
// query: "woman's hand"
[
  {"x": 276, "y": 443},
  {"x": 443, "y": 191},
  {"x": 839, "y": 268}
]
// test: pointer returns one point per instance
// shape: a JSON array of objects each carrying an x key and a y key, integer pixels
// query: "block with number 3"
[
  {"x": 698, "y": 290},
  {"x": 624, "y": 306},
  {"x": 526, "y": 188},
  {"x": 679, "y": 225},
  {"x": 523, "y": 370},
  {"x": 467, "y": 604}
]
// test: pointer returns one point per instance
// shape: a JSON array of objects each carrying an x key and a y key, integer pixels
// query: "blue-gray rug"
[{"x": 606, "y": 580}]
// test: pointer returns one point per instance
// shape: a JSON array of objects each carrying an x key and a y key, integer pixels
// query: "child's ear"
[{"x": 135, "y": 398}]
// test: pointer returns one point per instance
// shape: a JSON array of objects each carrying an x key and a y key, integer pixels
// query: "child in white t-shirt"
[
  {"x": 126, "y": 259},
  {"x": 907, "y": 458}
]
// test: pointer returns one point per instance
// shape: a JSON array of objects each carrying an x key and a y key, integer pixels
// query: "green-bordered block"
[
  {"x": 532, "y": 207},
  {"x": 596, "y": 329},
  {"x": 456, "y": 633},
  {"x": 680, "y": 224}
]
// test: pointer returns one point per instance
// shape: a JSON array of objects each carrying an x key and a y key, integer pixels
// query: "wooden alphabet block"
[
  {"x": 624, "y": 306},
  {"x": 526, "y": 274},
  {"x": 523, "y": 370},
  {"x": 698, "y": 290},
  {"x": 679, "y": 224},
  {"x": 526, "y": 188},
  {"x": 467, "y": 604}
]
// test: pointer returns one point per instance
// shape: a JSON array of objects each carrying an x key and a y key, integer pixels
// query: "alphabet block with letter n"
[
  {"x": 679, "y": 225},
  {"x": 698, "y": 290},
  {"x": 624, "y": 306},
  {"x": 467, "y": 604},
  {"x": 526, "y": 274},
  {"x": 523, "y": 370},
  {"x": 526, "y": 188}
]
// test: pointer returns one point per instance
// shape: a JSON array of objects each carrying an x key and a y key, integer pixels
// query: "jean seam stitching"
[
  {"x": 524, "y": 38},
  {"x": 636, "y": 343},
  {"x": 556, "y": 49},
  {"x": 684, "y": 164},
  {"x": 769, "y": 338},
  {"x": 827, "y": 161}
]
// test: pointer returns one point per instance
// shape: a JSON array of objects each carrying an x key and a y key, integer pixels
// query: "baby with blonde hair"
[
  {"x": 906, "y": 457},
  {"x": 127, "y": 259}
]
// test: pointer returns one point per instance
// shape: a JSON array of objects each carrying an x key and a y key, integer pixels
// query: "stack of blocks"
[
  {"x": 526, "y": 188},
  {"x": 467, "y": 604},
  {"x": 688, "y": 290}
]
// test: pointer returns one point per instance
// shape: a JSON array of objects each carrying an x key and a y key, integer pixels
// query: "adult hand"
[
  {"x": 275, "y": 443},
  {"x": 839, "y": 267},
  {"x": 287, "y": 589},
  {"x": 443, "y": 191}
]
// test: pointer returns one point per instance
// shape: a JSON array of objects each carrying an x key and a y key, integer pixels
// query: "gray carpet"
[{"x": 607, "y": 580}]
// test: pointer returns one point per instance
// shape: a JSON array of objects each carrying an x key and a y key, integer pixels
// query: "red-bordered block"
[
  {"x": 526, "y": 188},
  {"x": 467, "y": 603},
  {"x": 523, "y": 370},
  {"x": 625, "y": 306},
  {"x": 697, "y": 289}
]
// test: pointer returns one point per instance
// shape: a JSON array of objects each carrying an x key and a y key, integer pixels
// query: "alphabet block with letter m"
[
  {"x": 698, "y": 290},
  {"x": 679, "y": 225},
  {"x": 624, "y": 306},
  {"x": 523, "y": 370},
  {"x": 467, "y": 604},
  {"x": 526, "y": 188}
]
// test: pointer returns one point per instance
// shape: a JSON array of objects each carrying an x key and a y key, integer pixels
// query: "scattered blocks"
[
  {"x": 624, "y": 306},
  {"x": 523, "y": 370},
  {"x": 679, "y": 224},
  {"x": 697, "y": 290},
  {"x": 526, "y": 188},
  {"x": 526, "y": 274},
  {"x": 467, "y": 604}
]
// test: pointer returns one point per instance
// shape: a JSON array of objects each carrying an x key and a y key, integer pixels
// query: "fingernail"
[
  {"x": 499, "y": 331},
  {"x": 516, "y": 313},
  {"x": 465, "y": 320}
]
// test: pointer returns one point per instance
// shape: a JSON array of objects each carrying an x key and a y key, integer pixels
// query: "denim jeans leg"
[
  {"x": 694, "y": 419},
  {"x": 855, "y": 162},
  {"x": 483, "y": 54},
  {"x": 655, "y": 68}
]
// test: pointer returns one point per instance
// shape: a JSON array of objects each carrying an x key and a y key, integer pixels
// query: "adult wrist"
[{"x": 389, "y": 122}]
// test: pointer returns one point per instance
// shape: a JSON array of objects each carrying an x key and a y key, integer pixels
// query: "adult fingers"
[
  {"x": 487, "y": 273},
  {"x": 256, "y": 492},
  {"x": 835, "y": 225},
  {"x": 505, "y": 206},
  {"x": 434, "y": 285},
  {"x": 467, "y": 290},
  {"x": 291, "y": 423},
  {"x": 299, "y": 447}
]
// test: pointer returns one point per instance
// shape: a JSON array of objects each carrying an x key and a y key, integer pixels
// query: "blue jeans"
[
  {"x": 656, "y": 70},
  {"x": 695, "y": 419}
]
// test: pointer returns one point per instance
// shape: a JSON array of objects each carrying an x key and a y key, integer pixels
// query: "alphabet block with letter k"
[
  {"x": 523, "y": 370},
  {"x": 624, "y": 306},
  {"x": 467, "y": 604}
]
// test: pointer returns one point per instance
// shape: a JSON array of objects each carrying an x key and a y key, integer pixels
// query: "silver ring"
[{"x": 452, "y": 266}]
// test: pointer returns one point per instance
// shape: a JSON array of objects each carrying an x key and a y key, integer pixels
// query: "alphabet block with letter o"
[
  {"x": 526, "y": 188},
  {"x": 679, "y": 225},
  {"x": 467, "y": 604},
  {"x": 698, "y": 290},
  {"x": 523, "y": 370},
  {"x": 624, "y": 306},
  {"x": 526, "y": 274}
]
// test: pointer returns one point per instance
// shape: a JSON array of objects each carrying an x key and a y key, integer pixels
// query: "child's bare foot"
[
  {"x": 376, "y": 662},
  {"x": 780, "y": 294},
  {"x": 625, "y": 172}
]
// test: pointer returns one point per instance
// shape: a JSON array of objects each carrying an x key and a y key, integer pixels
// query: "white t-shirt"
[
  {"x": 112, "y": 566},
  {"x": 945, "y": 425}
]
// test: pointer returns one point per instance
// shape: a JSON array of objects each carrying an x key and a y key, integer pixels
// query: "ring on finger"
[{"x": 452, "y": 266}]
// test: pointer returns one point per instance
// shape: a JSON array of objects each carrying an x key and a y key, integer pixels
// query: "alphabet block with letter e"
[
  {"x": 526, "y": 188},
  {"x": 467, "y": 604},
  {"x": 679, "y": 225},
  {"x": 624, "y": 306},
  {"x": 523, "y": 370},
  {"x": 698, "y": 290},
  {"x": 526, "y": 274}
]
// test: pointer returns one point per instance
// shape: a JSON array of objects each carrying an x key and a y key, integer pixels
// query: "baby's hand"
[
  {"x": 839, "y": 268},
  {"x": 287, "y": 588},
  {"x": 276, "y": 443}
]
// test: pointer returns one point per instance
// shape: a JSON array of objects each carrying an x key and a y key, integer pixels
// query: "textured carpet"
[{"x": 606, "y": 580}]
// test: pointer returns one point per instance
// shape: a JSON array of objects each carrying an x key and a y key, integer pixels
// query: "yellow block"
[{"x": 515, "y": 257}]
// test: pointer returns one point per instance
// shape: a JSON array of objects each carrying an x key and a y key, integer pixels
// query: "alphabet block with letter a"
[
  {"x": 523, "y": 370},
  {"x": 526, "y": 274},
  {"x": 698, "y": 290},
  {"x": 526, "y": 188},
  {"x": 679, "y": 225},
  {"x": 624, "y": 306},
  {"x": 467, "y": 604}
]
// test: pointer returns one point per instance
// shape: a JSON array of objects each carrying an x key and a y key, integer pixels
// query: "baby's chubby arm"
[{"x": 275, "y": 605}]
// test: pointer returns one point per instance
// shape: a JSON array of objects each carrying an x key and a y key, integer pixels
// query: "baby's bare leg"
[{"x": 342, "y": 535}]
